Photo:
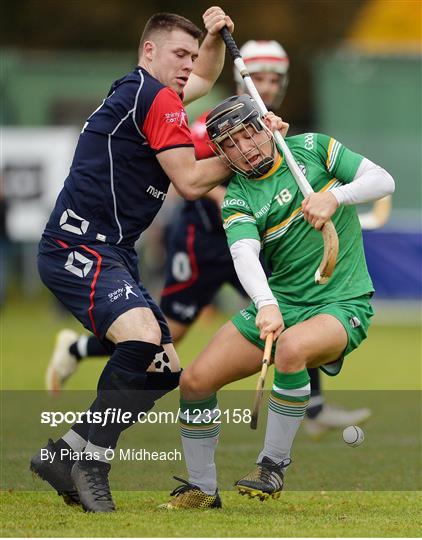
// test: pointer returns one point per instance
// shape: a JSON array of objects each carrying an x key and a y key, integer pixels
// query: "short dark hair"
[{"x": 167, "y": 22}]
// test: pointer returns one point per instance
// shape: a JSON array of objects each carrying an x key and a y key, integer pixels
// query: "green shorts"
[{"x": 354, "y": 314}]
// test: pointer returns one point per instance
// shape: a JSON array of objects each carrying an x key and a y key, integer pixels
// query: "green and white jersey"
[{"x": 268, "y": 209}]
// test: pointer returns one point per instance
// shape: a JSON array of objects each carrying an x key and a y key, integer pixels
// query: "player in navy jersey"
[
  {"x": 198, "y": 259},
  {"x": 129, "y": 150}
]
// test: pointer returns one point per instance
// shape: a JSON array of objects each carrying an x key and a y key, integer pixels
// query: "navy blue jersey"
[
  {"x": 198, "y": 264},
  {"x": 116, "y": 185},
  {"x": 206, "y": 215}
]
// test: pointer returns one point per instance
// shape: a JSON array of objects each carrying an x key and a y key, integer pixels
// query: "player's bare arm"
[
  {"x": 210, "y": 61},
  {"x": 192, "y": 178}
]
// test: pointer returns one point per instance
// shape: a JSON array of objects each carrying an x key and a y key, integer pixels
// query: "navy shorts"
[
  {"x": 96, "y": 283},
  {"x": 198, "y": 264}
]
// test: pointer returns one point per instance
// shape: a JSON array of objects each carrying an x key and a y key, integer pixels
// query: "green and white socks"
[
  {"x": 200, "y": 430},
  {"x": 286, "y": 409},
  {"x": 199, "y": 438}
]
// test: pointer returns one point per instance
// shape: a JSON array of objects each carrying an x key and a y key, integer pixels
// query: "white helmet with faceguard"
[
  {"x": 265, "y": 57},
  {"x": 231, "y": 116}
]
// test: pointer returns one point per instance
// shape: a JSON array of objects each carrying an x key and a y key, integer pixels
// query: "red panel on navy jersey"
[{"x": 166, "y": 124}]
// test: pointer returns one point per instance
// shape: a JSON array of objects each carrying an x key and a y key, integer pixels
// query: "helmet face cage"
[
  {"x": 258, "y": 169},
  {"x": 235, "y": 114}
]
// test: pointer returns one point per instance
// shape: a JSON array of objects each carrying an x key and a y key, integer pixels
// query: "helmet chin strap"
[
  {"x": 264, "y": 165},
  {"x": 262, "y": 168}
]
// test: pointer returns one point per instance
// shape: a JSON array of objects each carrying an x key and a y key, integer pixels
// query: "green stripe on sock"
[
  {"x": 193, "y": 422},
  {"x": 200, "y": 436},
  {"x": 200, "y": 433},
  {"x": 287, "y": 408},
  {"x": 287, "y": 411},
  {"x": 209, "y": 403},
  {"x": 291, "y": 381},
  {"x": 291, "y": 415},
  {"x": 292, "y": 399}
]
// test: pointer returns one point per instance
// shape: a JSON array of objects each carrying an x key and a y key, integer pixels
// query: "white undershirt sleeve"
[
  {"x": 245, "y": 254},
  {"x": 370, "y": 183}
]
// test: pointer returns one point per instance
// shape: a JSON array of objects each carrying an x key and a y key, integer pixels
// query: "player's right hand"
[
  {"x": 215, "y": 19},
  {"x": 269, "y": 319},
  {"x": 318, "y": 208},
  {"x": 274, "y": 122}
]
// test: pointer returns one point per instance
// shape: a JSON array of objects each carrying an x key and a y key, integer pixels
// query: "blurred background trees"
[{"x": 304, "y": 27}]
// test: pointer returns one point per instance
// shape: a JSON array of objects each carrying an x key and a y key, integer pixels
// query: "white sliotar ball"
[{"x": 353, "y": 435}]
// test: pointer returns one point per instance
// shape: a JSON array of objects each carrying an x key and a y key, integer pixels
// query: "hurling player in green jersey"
[{"x": 313, "y": 325}]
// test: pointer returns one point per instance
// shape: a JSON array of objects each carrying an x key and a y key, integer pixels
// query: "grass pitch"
[
  {"x": 389, "y": 361},
  {"x": 305, "y": 514}
]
